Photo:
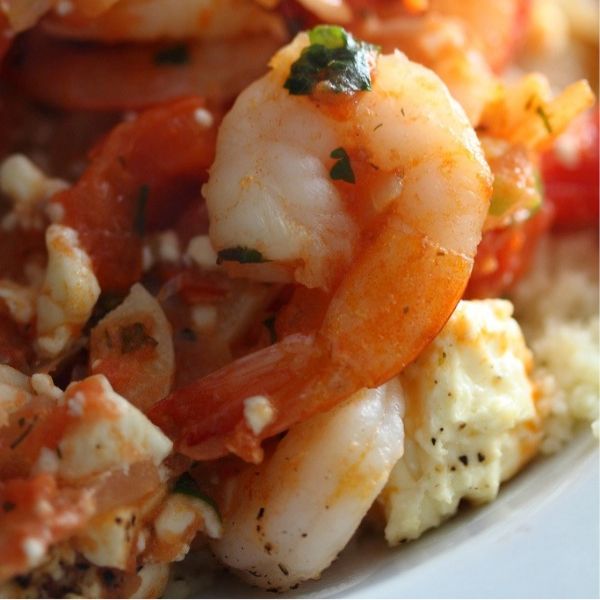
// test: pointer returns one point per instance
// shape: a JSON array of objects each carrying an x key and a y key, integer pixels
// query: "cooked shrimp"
[
  {"x": 146, "y": 20},
  {"x": 19, "y": 15},
  {"x": 136, "y": 76},
  {"x": 286, "y": 520},
  {"x": 391, "y": 253}
]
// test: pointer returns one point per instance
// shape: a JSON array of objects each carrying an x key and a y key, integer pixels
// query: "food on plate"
[{"x": 271, "y": 269}]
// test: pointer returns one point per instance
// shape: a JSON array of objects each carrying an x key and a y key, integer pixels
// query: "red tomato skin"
[
  {"x": 572, "y": 190},
  {"x": 505, "y": 255}
]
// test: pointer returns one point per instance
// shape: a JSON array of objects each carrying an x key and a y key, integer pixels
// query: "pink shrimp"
[{"x": 391, "y": 251}]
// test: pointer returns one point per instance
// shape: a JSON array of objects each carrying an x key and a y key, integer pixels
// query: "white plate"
[{"x": 539, "y": 539}]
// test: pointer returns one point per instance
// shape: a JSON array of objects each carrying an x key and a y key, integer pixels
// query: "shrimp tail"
[
  {"x": 206, "y": 418},
  {"x": 306, "y": 374}
]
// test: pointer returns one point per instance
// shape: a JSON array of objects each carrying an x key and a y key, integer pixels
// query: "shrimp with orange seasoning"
[{"x": 380, "y": 241}]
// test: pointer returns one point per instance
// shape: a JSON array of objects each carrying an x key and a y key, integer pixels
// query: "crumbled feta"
[
  {"x": 43, "y": 385},
  {"x": 203, "y": 118},
  {"x": 470, "y": 420},
  {"x": 34, "y": 550},
  {"x": 47, "y": 462},
  {"x": 28, "y": 188},
  {"x": 110, "y": 539},
  {"x": 19, "y": 299},
  {"x": 153, "y": 580},
  {"x": 55, "y": 212},
  {"x": 200, "y": 250},
  {"x": 99, "y": 442},
  {"x": 76, "y": 404},
  {"x": 147, "y": 258},
  {"x": 14, "y": 378},
  {"x": 176, "y": 515},
  {"x": 20, "y": 179},
  {"x": 14, "y": 392},
  {"x": 168, "y": 246},
  {"x": 69, "y": 293},
  {"x": 258, "y": 413},
  {"x": 204, "y": 317}
]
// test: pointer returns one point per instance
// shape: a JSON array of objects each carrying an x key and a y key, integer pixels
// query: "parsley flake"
[
  {"x": 187, "y": 485},
  {"x": 334, "y": 61},
  {"x": 173, "y": 55},
  {"x": 240, "y": 254},
  {"x": 342, "y": 169},
  {"x": 545, "y": 120}
]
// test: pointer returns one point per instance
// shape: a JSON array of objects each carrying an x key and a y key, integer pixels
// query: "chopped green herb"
[
  {"x": 173, "y": 55},
  {"x": 187, "y": 485},
  {"x": 334, "y": 61},
  {"x": 23, "y": 434},
  {"x": 240, "y": 254},
  {"x": 342, "y": 169},
  {"x": 134, "y": 337},
  {"x": 270, "y": 325},
  {"x": 540, "y": 111},
  {"x": 512, "y": 199},
  {"x": 139, "y": 220}
]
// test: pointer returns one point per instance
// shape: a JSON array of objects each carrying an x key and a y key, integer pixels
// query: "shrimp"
[
  {"x": 148, "y": 20},
  {"x": 19, "y": 15},
  {"x": 137, "y": 76},
  {"x": 287, "y": 519},
  {"x": 387, "y": 256},
  {"x": 137, "y": 20}
]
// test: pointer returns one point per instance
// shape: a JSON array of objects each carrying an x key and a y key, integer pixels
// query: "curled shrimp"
[
  {"x": 146, "y": 20},
  {"x": 287, "y": 519},
  {"x": 136, "y": 76},
  {"x": 136, "y": 20},
  {"x": 387, "y": 257}
]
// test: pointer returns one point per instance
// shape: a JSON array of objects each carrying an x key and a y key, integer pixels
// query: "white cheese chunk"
[
  {"x": 69, "y": 293},
  {"x": 110, "y": 539},
  {"x": 115, "y": 438},
  {"x": 470, "y": 420}
]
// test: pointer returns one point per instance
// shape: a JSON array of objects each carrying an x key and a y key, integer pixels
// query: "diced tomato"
[
  {"x": 504, "y": 255},
  {"x": 142, "y": 177},
  {"x": 572, "y": 187},
  {"x": 34, "y": 514},
  {"x": 15, "y": 346},
  {"x": 6, "y": 35}
]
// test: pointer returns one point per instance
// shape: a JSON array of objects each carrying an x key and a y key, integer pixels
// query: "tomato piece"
[
  {"x": 35, "y": 513},
  {"x": 504, "y": 255},
  {"x": 15, "y": 346},
  {"x": 140, "y": 179},
  {"x": 6, "y": 35},
  {"x": 572, "y": 186}
]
